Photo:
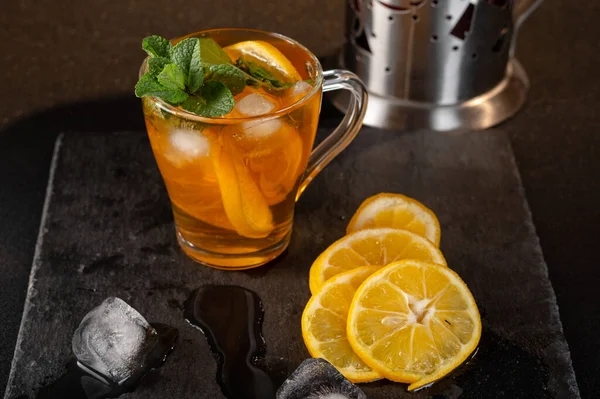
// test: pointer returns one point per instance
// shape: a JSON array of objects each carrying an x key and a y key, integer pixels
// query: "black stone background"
[{"x": 109, "y": 231}]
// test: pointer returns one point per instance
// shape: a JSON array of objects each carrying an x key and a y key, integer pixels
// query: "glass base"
[{"x": 237, "y": 261}]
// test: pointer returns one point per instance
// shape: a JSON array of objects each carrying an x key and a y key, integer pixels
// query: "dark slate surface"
[{"x": 109, "y": 232}]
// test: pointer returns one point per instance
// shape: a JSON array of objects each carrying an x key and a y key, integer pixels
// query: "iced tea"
[{"x": 233, "y": 180}]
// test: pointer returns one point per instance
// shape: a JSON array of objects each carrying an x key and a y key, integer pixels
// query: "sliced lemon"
[
  {"x": 280, "y": 170},
  {"x": 189, "y": 177},
  {"x": 244, "y": 204},
  {"x": 324, "y": 325},
  {"x": 201, "y": 201},
  {"x": 273, "y": 152},
  {"x": 265, "y": 55},
  {"x": 413, "y": 322},
  {"x": 396, "y": 211},
  {"x": 371, "y": 247}
]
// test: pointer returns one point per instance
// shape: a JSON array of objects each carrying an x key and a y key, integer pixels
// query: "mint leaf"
[
  {"x": 254, "y": 70},
  {"x": 172, "y": 77},
  {"x": 230, "y": 76},
  {"x": 259, "y": 76},
  {"x": 214, "y": 99},
  {"x": 211, "y": 53},
  {"x": 157, "y": 46},
  {"x": 157, "y": 64},
  {"x": 194, "y": 104},
  {"x": 186, "y": 55},
  {"x": 148, "y": 86},
  {"x": 196, "y": 72},
  {"x": 183, "y": 53}
]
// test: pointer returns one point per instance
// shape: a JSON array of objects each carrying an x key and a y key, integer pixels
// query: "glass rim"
[{"x": 173, "y": 110}]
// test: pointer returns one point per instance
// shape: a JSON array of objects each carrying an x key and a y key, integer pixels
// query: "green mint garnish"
[
  {"x": 211, "y": 53},
  {"x": 177, "y": 75},
  {"x": 198, "y": 75},
  {"x": 186, "y": 55},
  {"x": 157, "y": 64},
  {"x": 148, "y": 85},
  {"x": 230, "y": 76},
  {"x": 172, "y": 77},
  {"x": 259, "y": 76},
  {"x": 157, "y": 46},
  {"x": 214, "y": 99}
]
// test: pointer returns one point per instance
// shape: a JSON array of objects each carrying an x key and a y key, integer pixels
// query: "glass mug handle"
[{"x": 348, "y": 128}]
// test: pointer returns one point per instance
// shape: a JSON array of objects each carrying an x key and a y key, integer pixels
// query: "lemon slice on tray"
[
  {"x": 371, "y": 247},
  {"x": 324, "y": 325},
  {"x": 413, "y": 322},
  {"x": 396, "y": 211}
]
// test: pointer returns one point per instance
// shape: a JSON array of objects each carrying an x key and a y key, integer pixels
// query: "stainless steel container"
[{"x": 436, "y": 64}]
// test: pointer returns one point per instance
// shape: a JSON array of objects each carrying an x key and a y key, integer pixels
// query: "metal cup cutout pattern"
[{"x": 436, "y": 64}]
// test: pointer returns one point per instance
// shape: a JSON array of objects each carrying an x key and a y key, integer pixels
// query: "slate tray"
[{"x": 107, "y": 230}]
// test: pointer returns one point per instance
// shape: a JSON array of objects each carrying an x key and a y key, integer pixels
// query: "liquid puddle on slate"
[{"x": 230, "y": 317}]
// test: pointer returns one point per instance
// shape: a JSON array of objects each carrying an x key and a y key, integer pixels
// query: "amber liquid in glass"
[{"x": 233, "y": 186}]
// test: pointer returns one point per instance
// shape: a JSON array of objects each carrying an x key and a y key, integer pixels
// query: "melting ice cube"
[
  {"x": 261, "y": 129},
  {"x": 189, "y": 143},
  {"x": 318, "y": 379},
  {"x": 300, "y": 89},
  {"x": 113, "y": 339},
  {"x": 185, "y": 146},
  {"x": 296, "y": 93},
  {"x": 254, "y": 105}
]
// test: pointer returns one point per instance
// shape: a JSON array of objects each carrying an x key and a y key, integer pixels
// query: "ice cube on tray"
[
  {"x": 317, "y": 378},
  {"x": 113, "y": 340}
]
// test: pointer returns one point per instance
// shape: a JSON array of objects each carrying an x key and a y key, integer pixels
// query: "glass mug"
[{"x": 233, "y": 181}]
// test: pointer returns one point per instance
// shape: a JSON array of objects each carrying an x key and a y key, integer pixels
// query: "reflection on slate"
[{"x": 110, "y": 232}]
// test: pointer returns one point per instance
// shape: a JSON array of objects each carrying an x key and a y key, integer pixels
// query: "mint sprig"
[
  {"x": 198, "y": 75},
  {"x": 259, "y": 76},
  {"x": 230, "y": 76},
  {"x": 148, "y": 85},
  {"x": 215, "y": 99},
  {"x": 172, "y": 77},
  {"x": 157, "y": 64},
  {"x": 157, "y": 46},
  {"x": 187, "y": 74},
  {"x": 186, "y": 55},
  {"x": 211, "y": 53}
]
